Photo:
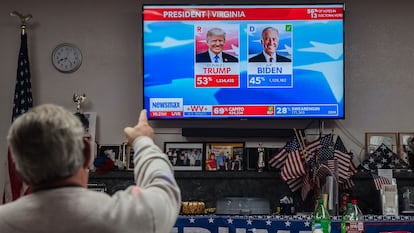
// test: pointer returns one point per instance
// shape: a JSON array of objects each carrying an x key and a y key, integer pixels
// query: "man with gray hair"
[{"x": 52, "y": 156}]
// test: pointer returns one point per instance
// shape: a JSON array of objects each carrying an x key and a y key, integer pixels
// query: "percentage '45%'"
[{"x": 256, "y": 80}]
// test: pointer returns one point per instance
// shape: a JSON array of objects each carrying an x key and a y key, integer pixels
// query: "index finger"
[{"x": 143, "y": 116}]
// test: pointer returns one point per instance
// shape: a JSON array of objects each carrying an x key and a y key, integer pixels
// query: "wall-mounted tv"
[{"x": 243, "y": 61}]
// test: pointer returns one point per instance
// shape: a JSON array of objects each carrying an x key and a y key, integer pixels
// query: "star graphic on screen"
[
  {"x": 249, "y": 222},
  {"x": 211, "y": 220},
  {"x": 234, "y": 49},
  {"x": 230, "y": 221},
  {"x": 333, "y": 50},
  {"x": 330, "y": 72},
  {"x": 268, "y": 222},
  {"x": 307, "y": 223},
  {"x": 170, "y": 42},
  {"x": 287, "y": 223},
  {"x": 286, "y": 49}
]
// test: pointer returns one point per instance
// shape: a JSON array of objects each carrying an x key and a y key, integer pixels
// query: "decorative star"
[
  {"x": 192, "y": 220},
  {"x": 307, "y": 223},
  {"x": 230, "y": 221},
  {"x": 287, "y": 223},
  {"x": 211, "y": 220},
  {"x": 249, "y": 222},
  {"x": 268, "y": 223}
]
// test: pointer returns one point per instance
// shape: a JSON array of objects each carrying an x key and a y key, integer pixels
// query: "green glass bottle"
[
  {"x": 346, "y": 217},
  {"x": 321, "y": 216}
]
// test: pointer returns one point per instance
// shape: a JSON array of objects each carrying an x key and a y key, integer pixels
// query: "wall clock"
[{"x": 66, "y": 58}]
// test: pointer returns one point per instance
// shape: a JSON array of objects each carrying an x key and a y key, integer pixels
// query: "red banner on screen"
[
  {"x": 257, "y": 110},
  {"x": 181, "y": 14},
  {"x": 166, "y": 114},
  {"x": 230, "y": 80}
]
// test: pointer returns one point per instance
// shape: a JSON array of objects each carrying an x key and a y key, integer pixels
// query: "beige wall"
[{"x": 379, "y": 67}]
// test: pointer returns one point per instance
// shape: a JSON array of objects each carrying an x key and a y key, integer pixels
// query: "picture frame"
[
  {"x": 90, "y": 129},
  {"x": 374, "y": 139},
  {"x": 113, "y": 152},
  {"x": 252, "y": 156},
  {"x": 185, "y": 156},
  {"x": 130, "y": 158},
  {"x": 224, "y": 156},
  {"x": 403, "y": 148}
]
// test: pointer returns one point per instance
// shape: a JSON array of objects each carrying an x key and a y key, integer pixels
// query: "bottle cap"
[{"x": 354, "y": 202}]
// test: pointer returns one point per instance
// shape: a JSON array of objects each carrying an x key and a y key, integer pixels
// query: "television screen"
[{"x": 243, "y": 61}]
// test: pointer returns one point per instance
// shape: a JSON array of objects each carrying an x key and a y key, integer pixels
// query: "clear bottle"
[
  {"x": 321, "y": 216},
  {"x": 345, "y": 217},
  {"x": 355, "y": 223}
]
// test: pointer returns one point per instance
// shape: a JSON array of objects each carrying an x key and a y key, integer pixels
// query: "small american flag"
[
  {"x": 379, "y": 181},
  {"x": 295, "y": 184},
  {"x": 14, "y": 187},
  {"x": 345, "y": 163},
  {"x": 294, "y": 165},
  {"x": 307, "y": 184},
  {"x": 278, "y": 159}
]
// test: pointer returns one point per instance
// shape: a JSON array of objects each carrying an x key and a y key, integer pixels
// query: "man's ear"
[{"x": 87, "y": 152}]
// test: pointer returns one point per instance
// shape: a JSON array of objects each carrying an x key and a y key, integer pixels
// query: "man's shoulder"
[
  {"x": 203, "y": 57},
  {"x": 229, "y": 58},
  {"x": 281, "y": 58},
  {"x": 258, "y": 58}
]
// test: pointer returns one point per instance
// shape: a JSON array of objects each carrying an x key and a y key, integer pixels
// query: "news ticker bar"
[{"x": 282, "y": 110}]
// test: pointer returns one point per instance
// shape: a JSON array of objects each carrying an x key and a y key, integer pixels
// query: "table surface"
[{"x": 283, "y": 224}]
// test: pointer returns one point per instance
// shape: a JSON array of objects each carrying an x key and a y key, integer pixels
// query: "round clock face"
[{"x": 66, "y": 58}]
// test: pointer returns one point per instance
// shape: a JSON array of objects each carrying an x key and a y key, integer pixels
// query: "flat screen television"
[{"x": 243, "y": 61}]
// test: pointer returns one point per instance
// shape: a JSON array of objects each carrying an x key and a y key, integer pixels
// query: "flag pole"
[{"x": 23, "y": 20}]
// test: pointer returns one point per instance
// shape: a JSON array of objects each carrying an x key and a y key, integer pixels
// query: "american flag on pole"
[
  {"x": 313, "y": 146},
  {"x": 345, "y": 163},
  {"x": 14, "y": 187}
]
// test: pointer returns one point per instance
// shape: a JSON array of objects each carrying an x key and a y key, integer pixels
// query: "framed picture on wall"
[
  {"x": 223, "y": 156},
  {"x": 374, "y": 139},
  {"x": 404, "y": 138},
  {"x": 185, "y": 156}
]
